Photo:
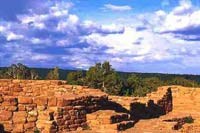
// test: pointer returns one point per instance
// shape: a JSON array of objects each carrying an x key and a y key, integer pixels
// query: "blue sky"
[{"x": 134, "y": 35}]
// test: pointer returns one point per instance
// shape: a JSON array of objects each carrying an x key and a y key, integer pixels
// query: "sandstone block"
[
  {"x": 21, "y": 107},
  {"x": 20, "y": 114},
  {"x": 7, "y": 93},
  {"x": 46, "y": 125},
  {"x": 17, "y": 89},
  {"x": 73, "y": 117},
  {"x": 19, "y": 117},
  {"x": 52, "y": 101},
  {"x": 91, "y": 117},
  {"x": 67, "y": 108},
  {"x": 18, "y": 128},
  {"x": 16, "y": 81},
  {"x": 8, "y": 126},
  {"x": 9, "y": 101},
  {"x": 63, "y": 102},
  {"x": 33, "y": 113},
  {"x": 5, "y": 115},
  {"x": 66, "y": 117},
  {"x": 78, "y": 121},
  {"x": 40, "y": 101},
  {"x": 41, "y": 108},
  {"x": 25, "y": 100},
  {"x": 11, "y": 108},
  {"x": 46, "y": 115},
  {"x": 60, "y": 122},
  {"x": 69, "y": 122},
  {"x": 60, "y": 102},
  {"x": 84, "y": 124},
  {"x": 29, "y": 125},
  {"x": 31, "y": 118},
  {"x": 72, "y": 112},
  {"x": 31, "y": 107},
  {"x": 1, "y": 98}
]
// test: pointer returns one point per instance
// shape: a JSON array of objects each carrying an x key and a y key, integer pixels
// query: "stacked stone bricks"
[
  {"x": 47, "y": 106},
  {"x": 166, "y": 102},
  {"x": 153, "y": 105}
]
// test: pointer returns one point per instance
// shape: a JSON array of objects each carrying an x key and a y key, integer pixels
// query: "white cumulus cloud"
[
  {"x": 12, "y": 36},
  {"x": 117, "y": 7}
]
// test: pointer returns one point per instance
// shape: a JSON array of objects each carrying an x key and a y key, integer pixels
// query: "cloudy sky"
[{"x": 134, "y": 35}]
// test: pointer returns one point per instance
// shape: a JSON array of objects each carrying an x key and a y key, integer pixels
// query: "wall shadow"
[
  {"x": 152, "y": 110},
  {"x": 147, "y": 110},
  {"x": 2, "y": 129},
  {"x": 141, "y": 111},
  {"x": 110, "y": 105}
]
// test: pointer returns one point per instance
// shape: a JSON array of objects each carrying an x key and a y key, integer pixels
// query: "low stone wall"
[
  {"x": 180, "y": 122},
  {"x": 166, "y": 102},
  {"x": 153, "y": 105},
  {"x": 47, "y": 106},
  {"x": 153, "y": 109}
]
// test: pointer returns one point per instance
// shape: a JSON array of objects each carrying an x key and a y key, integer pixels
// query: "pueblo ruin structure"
[{"x": 27, "y": 106}]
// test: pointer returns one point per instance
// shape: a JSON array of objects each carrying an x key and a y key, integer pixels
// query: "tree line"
[
  {"x": 20, "y": 71},
  {"x": 103, "y": 76}
]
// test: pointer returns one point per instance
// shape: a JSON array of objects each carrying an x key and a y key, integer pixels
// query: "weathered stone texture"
[
  {"x": 49, "y": 106},
  {"x": 52, "y": 106}
]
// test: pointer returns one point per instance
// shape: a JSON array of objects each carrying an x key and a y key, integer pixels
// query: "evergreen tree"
[
  {"x": 20, "y": 71},
  {"x": 3, "y": 74},
  {"x": 53, "y": 74},
  {"x": 34, "y": 75},
  {"x": 113, "y": 84},
  {"x": 94, "y": 76},
  {"x": 76, "y": 78},
  {"x": 134, "y": 82},
  {"x": 103, "y": 77}
]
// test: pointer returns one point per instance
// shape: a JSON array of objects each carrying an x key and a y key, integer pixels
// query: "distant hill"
[
  {"x": 44, "y": 71},
  {"x": 63, "y": 74},
  {"x": 161, "y": 75}
]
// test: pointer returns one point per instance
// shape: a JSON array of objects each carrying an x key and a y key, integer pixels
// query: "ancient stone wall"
[
  {"x": 53, "y": 106},
  {"x": 153, "y": 105},
  {"x": 166, "y": 102},
  {"x": 47, "y": 106}
]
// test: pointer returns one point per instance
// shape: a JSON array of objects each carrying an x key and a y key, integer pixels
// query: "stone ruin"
[{"x": 49, "y": 106}]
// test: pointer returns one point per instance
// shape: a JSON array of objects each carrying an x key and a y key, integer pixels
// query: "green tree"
[
  {"x": 136, "y": 86},
  {"x": 103, "y": 76},
  {"x": 53, "y": 74},
  {"x": 76, "y": 78},
  {"x": 12, "y": 71},
  {"x": 153, "y": 83},
  {"x": 94, "y": 76},
  {"x": 141, "y": 91},
  {"x": 113, "y": 84},
  {"x": 34, "y": 75},
  {"x": 20, "y": 71},
  {"x": 134, "y": 83},
  {"x": 3, "y": 74},
  {"x": 182, "y": 81}
]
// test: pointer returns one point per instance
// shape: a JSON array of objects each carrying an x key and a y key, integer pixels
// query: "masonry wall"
[
  {"x": 47, "y": 106},
  {"x": 153, "y": 105},
  {"x": 153, "y": 109}
]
